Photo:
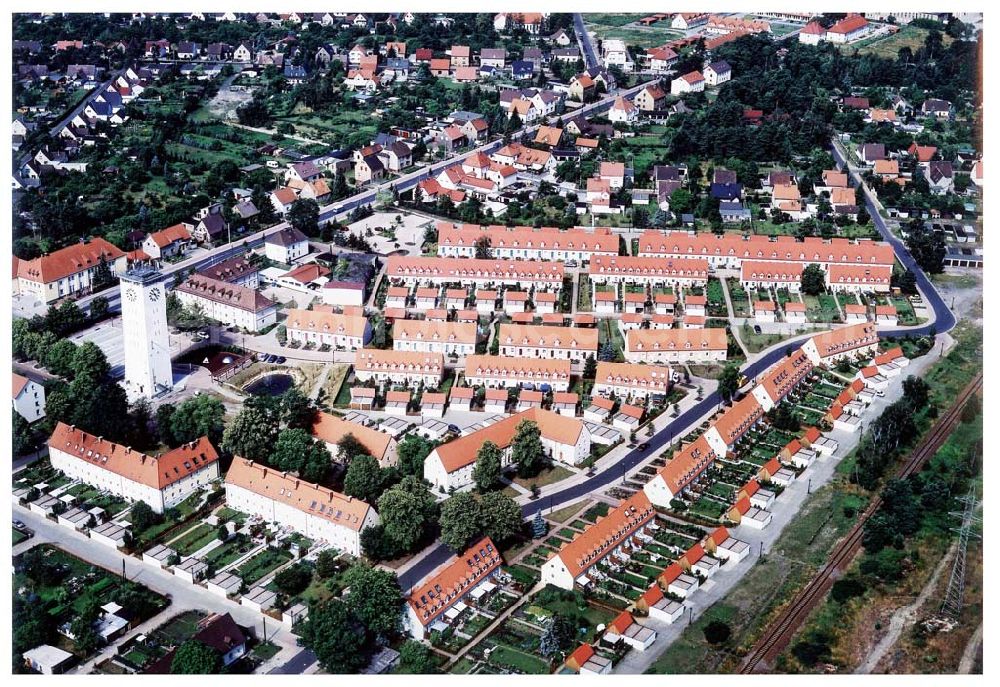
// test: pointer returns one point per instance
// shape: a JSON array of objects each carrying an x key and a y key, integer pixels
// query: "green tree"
[
  {"x": 460, "y": 521},
  {"x": 375, "y": 598},
  {"x": 416, "y": 659},
  {"x": 59, "y": 359},
  {"x": 196, "y": 417},
  {"x": 681, "y": 201},
  {"x": 99, "y": 308},
  {"x": 90, "y": 364},
  {"x": 484, "y": 248},
  {"x": 327, "y": 564},
  {"x": 926, "y": 246},
  {"x": 254, "y": 430},
  {"x": 411, "y": 452},
  {"x": 486, "y": 473},
  {"x": 349, "y": 447},
  {"x": 164, "y": 414},
  {"x": 527, "y": 451},
  {"x": 143, "y": 516},
  {"x": 294, "y": 579},
  {"x": 590, "y": 367},
  {"x": 336, "y": 636},
  {"x": 363, "y": 479},
  {"x": 297, "y": 410},
  {"x": 500, "y": 517},
  {"x": 23, "y": 440},
  {"x": 729, "y": 382},
  {"x": 196, "y": 658},
  {"x": 304, "y": 216},
  {"x": 813, "y": 280},
  {"x": 296, "y": 450},
  {"x": 403, "y": 516}
]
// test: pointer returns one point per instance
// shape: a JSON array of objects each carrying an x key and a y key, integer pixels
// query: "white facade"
[
  {"x": 271, "y": 510},
  {"x": 29, "y": 402},
  {"x": 144, "y": 329},
  {"x": 229, "y": 314}
]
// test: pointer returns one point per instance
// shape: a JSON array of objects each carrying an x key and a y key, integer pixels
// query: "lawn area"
[
  {"x": 227, "y": 514},
  {"x": 550, "y": 475},
  {"x": 756, "y": 343},
  {"x": 180, "y": 628},
  {"x": 262, "y": 564},
  {"x": 608, "y": 331},
  {"x": 223, "y": 555},
  {"x": 912, "y": 37},
  {"x": 266, "y": 650},
  {"x": 564, "y": 514},
  {"x": 194, "y": 539},
  {"x": 611, "y": 18},
  {"x": 822, "y": 308},
  {"x": 741, "y": 302},
  {"x": 17, "y": 536},
  {"x": 508, "y": 657}
]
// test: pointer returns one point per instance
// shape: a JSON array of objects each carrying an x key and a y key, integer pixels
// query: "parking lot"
[{"x": 107, "y": 335}]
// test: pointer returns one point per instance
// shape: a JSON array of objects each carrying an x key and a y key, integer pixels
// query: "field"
[
  {"x": 194, "y": 539},
  {"x": 262, "y": 564},
  {"x": 911, "y": 37},
  {"x": 624, "y": 27}
]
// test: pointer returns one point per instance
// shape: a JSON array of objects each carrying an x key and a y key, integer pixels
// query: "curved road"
[{"x": 943, "y": 321}]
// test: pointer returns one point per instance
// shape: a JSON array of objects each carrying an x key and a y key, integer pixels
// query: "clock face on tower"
[
  {"x": 154, "y": 294},
  {"x": 130, "y": 294}
]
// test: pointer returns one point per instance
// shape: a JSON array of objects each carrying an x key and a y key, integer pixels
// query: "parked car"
[
  {"x": 756, "y": 329},
  {"x": 280, "y": 360},
  {"x": 643, "y": 446}
]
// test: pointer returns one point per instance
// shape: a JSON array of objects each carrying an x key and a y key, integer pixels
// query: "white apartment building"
[{"x": 231, "y": 304}]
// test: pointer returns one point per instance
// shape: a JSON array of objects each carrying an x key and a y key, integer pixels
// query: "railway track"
[{"x": 780, "y": 631}]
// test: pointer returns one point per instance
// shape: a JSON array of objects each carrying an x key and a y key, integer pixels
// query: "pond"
[{"x": 271, "y": 385}]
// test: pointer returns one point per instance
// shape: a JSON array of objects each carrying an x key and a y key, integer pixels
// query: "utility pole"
[{"x": 951, "y": 606}]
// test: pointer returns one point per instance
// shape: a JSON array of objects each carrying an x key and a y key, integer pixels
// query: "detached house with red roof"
[
  {"x": 623, "y": 111},
  {"x": 289, "y": 501},
  {"x": 432, "y": 605},
  {"x": 849, "y": 29},
  {"x": 168, "y": 242},
  {"x": 692, "y": 82},
  {"x": 28, "y": 398},
  {"x": 159, "y": 481}
]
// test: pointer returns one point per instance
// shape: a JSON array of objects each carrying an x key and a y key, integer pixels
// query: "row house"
[
  {"x": 734, "y": 423},
  {"x": 859, "y": 278},
  {"x": 288, "y": 501},
  {"x": 475, "y": 272},
  {"x": 425, "y": 336},
  {"x": 531, "y": 341},
  {"x": 579, "y": 244},
  {"x": 762, "y": 274},
  {"x": 649, "y": 271},
  {"x": 853, "y": 341},
  {"x": 495, "y": 371},
  {"x": 159, "y": 481},
  {"x": 230, "y": 304},
  {"x": 428, "y": 603},
  {"x": 728, "y": 251},
  {"x": 676, "y": 346},
  {"x": 608, "y": 536},
  {"x": 680, "y": 472},
  {"x": 782, "y": 378},
  {"x": 628, "y": 380},
  {"x": 450, "y": 466},
  {"x": 339, "y": 331},
  {"x": 408, "y": 368}
]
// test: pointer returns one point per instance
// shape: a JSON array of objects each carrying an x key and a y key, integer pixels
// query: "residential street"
[{"x": 183, "y": 596}]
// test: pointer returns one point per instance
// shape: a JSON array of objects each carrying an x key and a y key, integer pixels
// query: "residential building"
[
  {"x": 718, "y": 73},
  {"x": 649, "y": 271},
  {"x": 684, "y": 469},
  {"x": 409, "y": 368},
  {"x": 230, "y": 304},
  {"x": 495, "y": 371},
  {"x": 542, "y": 341},
  {"x": 336, "y": 330},
  {"x": 676, "y": 345},
  {"x": 331, "y": 429},
  {"x": 28, "y": 398},
  {"x": 853, "y": 341},
  {"x": 428, "y": 603},
  {"x": 286, "y": 245},
  {"x": 168, "y": 242},
  {"x": 450, "y": 465},
  {"x": 448, "y": 338},
  {"x": 309, "y": 509},
  {"x": 692, "y": 82},
  {"x": 628, "y": 380},
  {"x": 159, "y": 481},
  {"x": 475, "y": 272},
  {"x": 568, "y": 566}
]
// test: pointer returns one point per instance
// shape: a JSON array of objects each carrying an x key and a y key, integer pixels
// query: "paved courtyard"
[{"x": 409, "y": 231}]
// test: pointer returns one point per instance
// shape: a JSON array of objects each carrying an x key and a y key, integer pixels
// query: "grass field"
[
  {"x": 911, "y": 37},
  {"x": 262, "y": 564},
  {"x": 194, "y": 539}
]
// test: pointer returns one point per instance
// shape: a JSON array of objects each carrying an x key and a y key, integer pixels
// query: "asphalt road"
[
  {"x": 583, "y": 38},
  {"x": 943, "y": 321}
]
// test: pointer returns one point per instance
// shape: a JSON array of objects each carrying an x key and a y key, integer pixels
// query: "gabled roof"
[
  {"x": 288, "y": 236},
  {"x": 294, "y": 492},
  {"x": 158, "y": 472},
  {"x": 447, "y": 587}
]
